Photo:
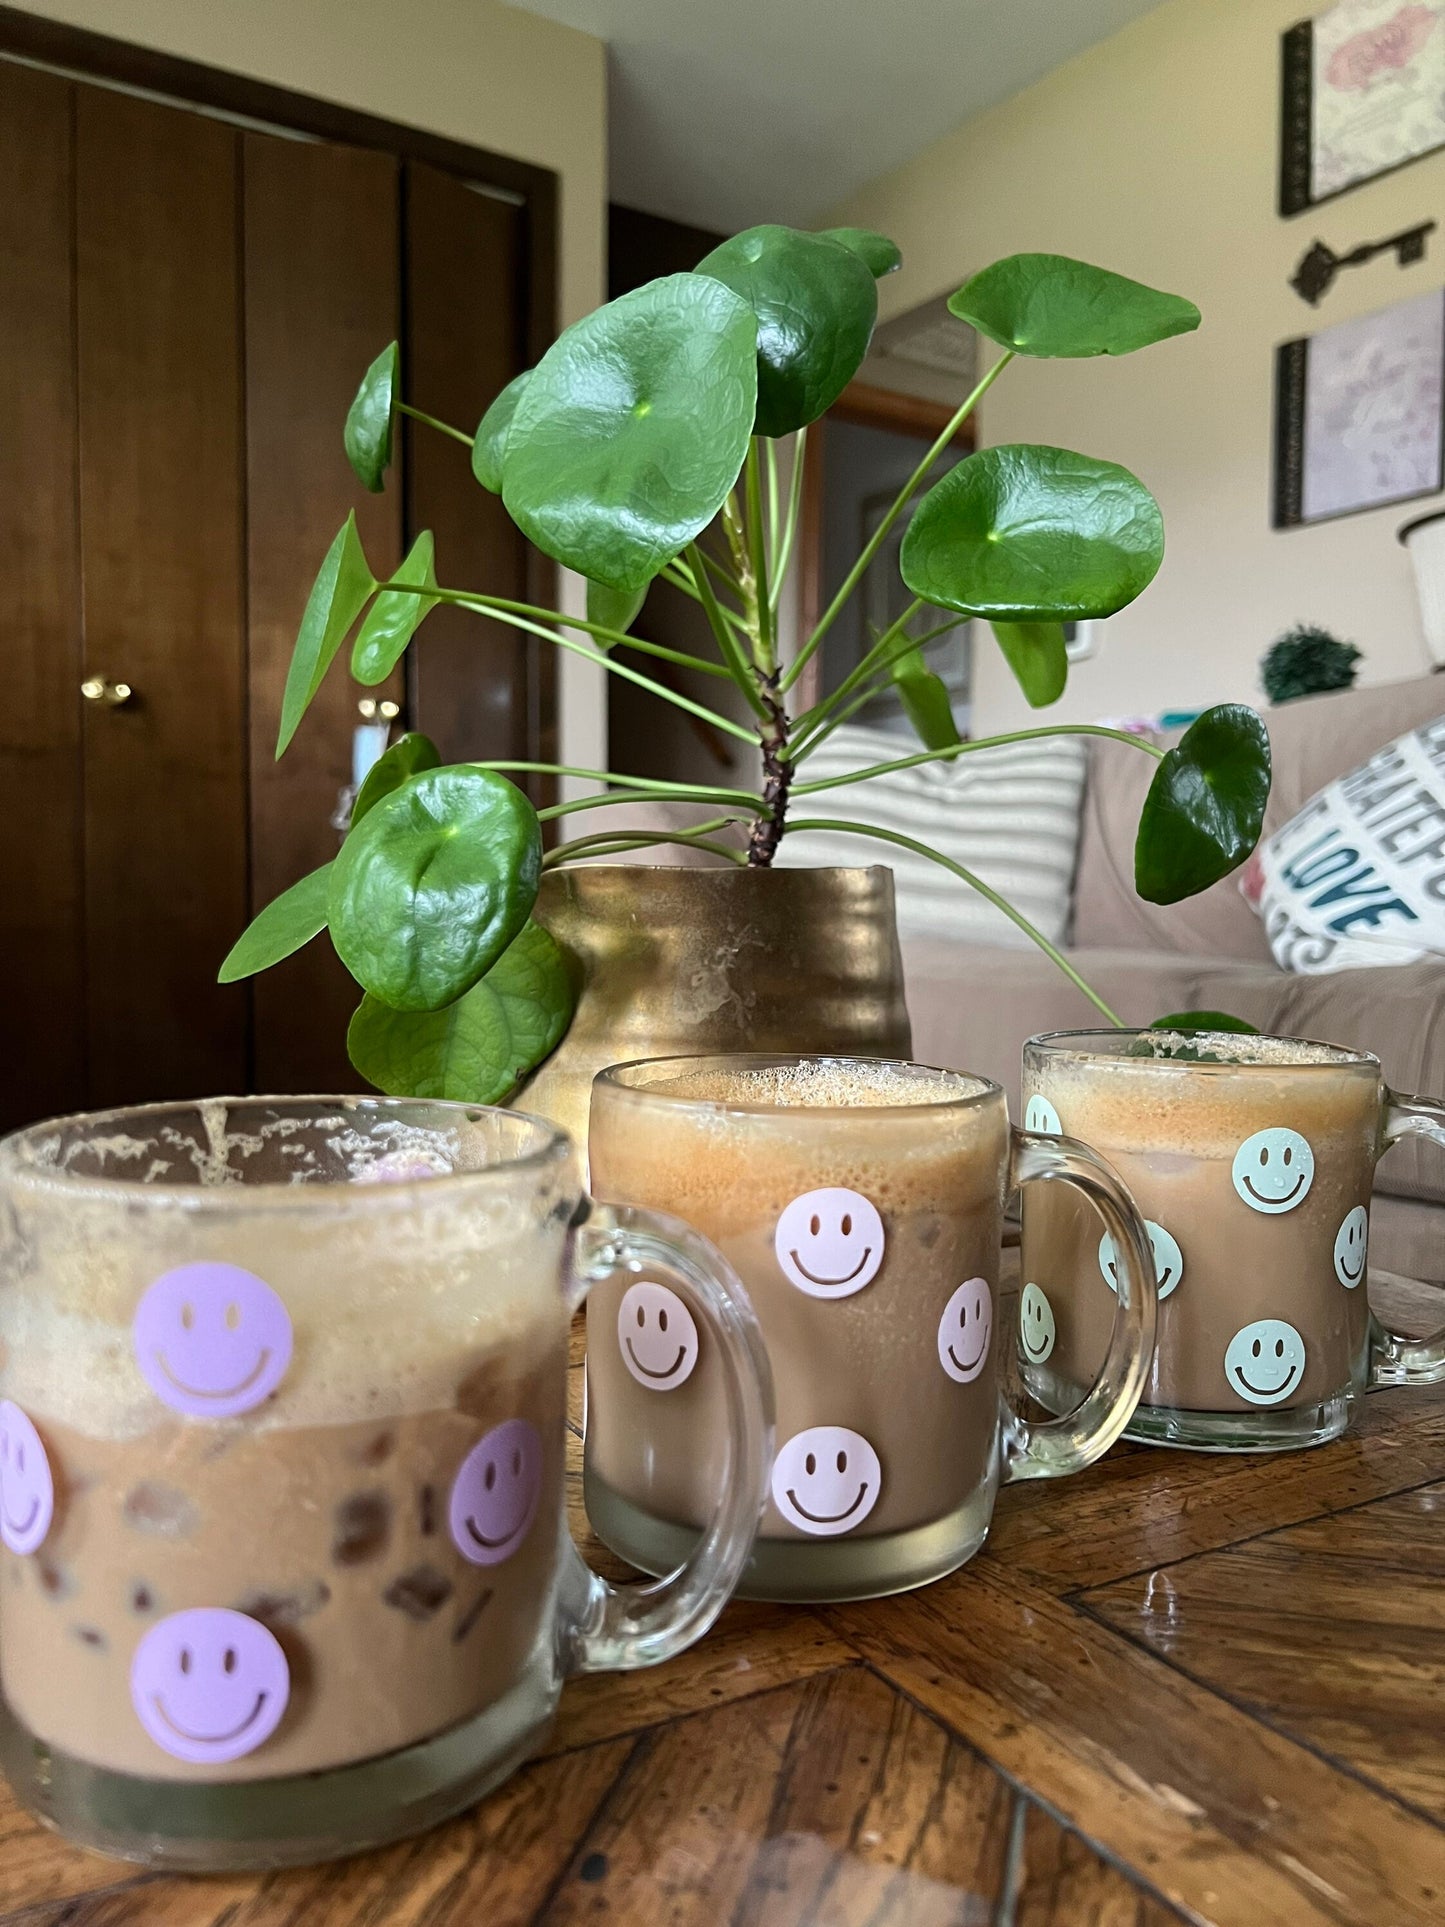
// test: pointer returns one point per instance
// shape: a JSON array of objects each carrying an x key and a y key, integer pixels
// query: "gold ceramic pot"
[{"x": 676, "y": 961}]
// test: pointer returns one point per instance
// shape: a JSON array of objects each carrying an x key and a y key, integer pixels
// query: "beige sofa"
[{"x": 974, "y": 1006}]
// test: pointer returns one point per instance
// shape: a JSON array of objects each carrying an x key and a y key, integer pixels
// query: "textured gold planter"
[{"x": 676, "y": 960}]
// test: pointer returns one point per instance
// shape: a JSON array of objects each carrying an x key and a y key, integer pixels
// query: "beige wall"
[
  {"x": 470, "y": 69},
  {"x": 1155, "y": 153}
]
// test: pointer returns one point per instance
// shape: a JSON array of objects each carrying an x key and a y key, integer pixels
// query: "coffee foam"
[
  {"x": 817, "y": 1084},
  {"x": 1207, "y": 1109}
]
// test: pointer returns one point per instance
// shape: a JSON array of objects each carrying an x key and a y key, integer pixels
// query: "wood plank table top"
[{"x": 1175, "y": 1687}]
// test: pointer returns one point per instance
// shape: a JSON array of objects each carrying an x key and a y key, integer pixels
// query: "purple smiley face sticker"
[
  {"x": 496, "y": 1492},
  {"x": 209, "y": 1685},
  {"x": 212, "y": 1340},
  {"x": 27, "y": 1490}
]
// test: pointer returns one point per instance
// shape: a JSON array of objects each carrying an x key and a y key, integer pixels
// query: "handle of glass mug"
[
  {"x": 1396, "y": 1359},
  {"x": 1052, "y": 1447},
  {"x": 614, "y": 1628}
]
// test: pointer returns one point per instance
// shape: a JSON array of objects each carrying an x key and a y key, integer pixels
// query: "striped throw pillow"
[{"x": 1009, "y": 814}]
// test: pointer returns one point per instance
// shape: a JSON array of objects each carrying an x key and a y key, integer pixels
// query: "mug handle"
[
  {"x": 1052, "y": 1447},
  {"x": 615, "y": 1628},
  {"x": 1396, "y": 1359}
]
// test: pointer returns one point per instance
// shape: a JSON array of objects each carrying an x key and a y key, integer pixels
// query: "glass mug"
[
  {"x": 861, "y": 1201},
  {"x": 1252, "y": 1159},
  {"x": 285, "y": 1569}
]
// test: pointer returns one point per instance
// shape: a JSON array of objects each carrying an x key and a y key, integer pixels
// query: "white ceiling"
[{"x": 728, "y": 112}]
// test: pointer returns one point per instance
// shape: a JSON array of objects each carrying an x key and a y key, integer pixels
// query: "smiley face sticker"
[
  {"x": 212, "y": 1340},
  {"x": 965, "y": 1330},
  {"x": 209, "y": 1685},
  {"x": 1273, "y": 1170},
  {"x": 496, "y": 1493},
  {"x": 1351, "y": 1241},
  {"x": 829, "y": 1242},
  {"x": 657, "y": 1336},
  {"x": 1040, "y": 1116},
  {"x": 27, "y": 1489},
  {"x": 1168, "y": 1258},
  {"x": 826, "y": 1480},
  {"x": 1036, "y": 1325},
  {"x": 1265, "y": 1361}
]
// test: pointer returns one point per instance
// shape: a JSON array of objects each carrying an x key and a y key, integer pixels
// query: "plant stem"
[
  {"x": 442, "y": 428},
  {"x": 790, "y": 525},
  {"x": 644, "y": 796},
  {"x": 664, "y": 790},
  {"x": 876, "y": 541},
  {"x": 767, "y": 830},
  {"x": 732, "y": 652},
  {"x": 964, "y": 749},
  {"x": 504, "y": 611},
  {"x": 757, "y": 610},
  {"x": 878, "y": 657},
  {"x": 1034, "y": 934},
  {"x": 770, "y": 449},
  {"x": 607, "y": 843},
  {"x": 870, "y": 690}
]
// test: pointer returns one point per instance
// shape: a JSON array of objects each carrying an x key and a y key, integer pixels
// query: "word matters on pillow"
[{"x": 1358, "y": 877}]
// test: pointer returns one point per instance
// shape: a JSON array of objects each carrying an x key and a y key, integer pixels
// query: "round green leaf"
[
  {"x": 1205, "y": 806},
  {"x": 287, "y": 922},
  {"x": 1048, "y": 305},
  {"x": 433, "y": 884},
  {"x": 408, "y": 756},
  {"x": 1036, "y": 653},
  {"x": 368, "y": 421},
  {"x": 490, "y": 442},
  {"x": 925, "y": 701},
  {"x": 395, "y": 616},
  {"x": 342, "y": 589},
  {"x": 1022, "y": 533},
  {"x": 632, "y": 429},
  {"x": 1205, "y": 1020},
  {"x": 880, "y": 255},
  {"x": 815, "y": 304},
  {"x": 478, "y": 1049}
]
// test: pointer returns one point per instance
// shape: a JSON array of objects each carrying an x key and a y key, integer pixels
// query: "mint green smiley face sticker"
[
  {"x": 1168, "y": 1258},
  {"x": 1036, "y": 1325},
  {"x": 1040, "y": 1116},
  {"x": 1273, "y": 1170},
  {"x": 1350, "y": 1243},
  {"x": 1265, "y": 1361}
]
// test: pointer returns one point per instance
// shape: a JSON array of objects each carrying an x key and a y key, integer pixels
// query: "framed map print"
[
  {"x": 1358, "y": 413},
  {"x": 1362, "y": 92}
]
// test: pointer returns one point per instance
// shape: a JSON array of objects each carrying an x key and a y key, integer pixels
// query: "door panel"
[
  {"x": 474, "y": 680},
  {"x": 41, "y": 925},
  {"x": 158, "y": 308},
  {"x": 322, "y": 254}
]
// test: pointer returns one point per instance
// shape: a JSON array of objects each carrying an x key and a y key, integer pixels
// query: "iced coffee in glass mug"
[
  {"x": 1252, "y": 1160},
  {"x": 285, "y": 1570},
  {"x": 861, "y": 1202}
]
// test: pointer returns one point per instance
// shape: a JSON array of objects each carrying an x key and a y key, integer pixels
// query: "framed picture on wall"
[
  {"x": 1358, "y": 413},
  {"x": 1362, "y": 93}
]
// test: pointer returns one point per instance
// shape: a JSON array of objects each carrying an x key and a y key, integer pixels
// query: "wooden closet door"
[
  {"x": 322, "y": 255},
  {"x": 41, "y": 921},
  {"x": 159, "y": 332},
  {"x": 476, "y": 683}
]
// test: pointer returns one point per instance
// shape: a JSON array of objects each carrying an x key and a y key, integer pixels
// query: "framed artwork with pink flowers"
[{"x": 1363, "y": 92}]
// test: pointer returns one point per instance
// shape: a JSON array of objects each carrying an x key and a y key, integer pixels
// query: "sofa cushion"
[
  {"x": 1313, "y": 741},
  {"x": 973, "y": 1008}
]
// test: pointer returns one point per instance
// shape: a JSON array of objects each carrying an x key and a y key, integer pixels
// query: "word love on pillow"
[{"x": 1358, "y": 877}]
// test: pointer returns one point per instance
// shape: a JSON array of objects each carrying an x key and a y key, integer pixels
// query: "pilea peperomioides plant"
[{"x": 641, "y": 426}]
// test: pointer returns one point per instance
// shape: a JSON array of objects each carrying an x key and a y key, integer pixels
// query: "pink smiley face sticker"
[
  {"x": 212, "y": 1340},
  {"x": 496, "y": 1493},
  {"x": 27, "y": 1490},
  {"x": 209, "y": 1685}
]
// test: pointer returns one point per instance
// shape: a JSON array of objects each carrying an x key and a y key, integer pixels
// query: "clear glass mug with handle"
[
  {"x": 285, "y": 1569},
  {"x": 862, "y": 1202},
  {"x": 1253, "y": 1160}
]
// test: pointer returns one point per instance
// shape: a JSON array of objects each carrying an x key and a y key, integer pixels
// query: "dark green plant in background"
[
  {"x": 643, "y": 425},
  {"x": 1306, "y": 661}
]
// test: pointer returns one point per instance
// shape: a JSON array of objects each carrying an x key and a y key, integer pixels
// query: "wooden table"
[{"x": 1176, "y": 1687}]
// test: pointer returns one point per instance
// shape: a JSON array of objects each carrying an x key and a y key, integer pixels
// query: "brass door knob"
[{"x": 100, "y": 689}]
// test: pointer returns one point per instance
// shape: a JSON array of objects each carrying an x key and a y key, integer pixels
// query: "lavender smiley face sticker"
[
  {"x": 209, "y": 1685},
  {"x": 496, "y": 1493},
  {"x": 212, "y": 1340},
  {"x": 964, "y": 1331},
  {"x": 829, "y": 1243},
  {"x": 27, "y": 1490}
]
